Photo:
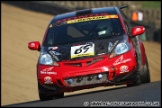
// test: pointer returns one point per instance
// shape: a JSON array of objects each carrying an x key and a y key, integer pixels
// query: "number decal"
[
  {"x": 77, "y": 51},
  {"x": 82, "y": 50},
  {"x": 87, "y": 47}
]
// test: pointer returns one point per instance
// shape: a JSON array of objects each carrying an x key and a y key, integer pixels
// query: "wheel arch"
[{"x": 143, "y": 54}]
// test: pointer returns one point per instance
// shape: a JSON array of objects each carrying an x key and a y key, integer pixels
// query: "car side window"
[
  {"x": 127, "y": 28},
  {"x": 127, "y": 23}
]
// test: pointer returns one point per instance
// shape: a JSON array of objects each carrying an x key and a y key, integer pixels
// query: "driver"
[{"x": 104, "y": 27}]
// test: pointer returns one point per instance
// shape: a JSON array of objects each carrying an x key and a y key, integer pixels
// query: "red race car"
[{"x": 90, "y": 48}]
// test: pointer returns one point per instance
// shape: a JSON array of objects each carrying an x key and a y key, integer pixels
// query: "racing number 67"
[{"x": 83, "y": 49}]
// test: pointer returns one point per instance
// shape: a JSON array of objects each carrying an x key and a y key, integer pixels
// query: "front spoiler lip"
[
  {"x": 120, "y": 80},
  {"x": 86, "y": 72},
  {"x": 123, "y": 80},
  {"x": 102, "y": 66}
]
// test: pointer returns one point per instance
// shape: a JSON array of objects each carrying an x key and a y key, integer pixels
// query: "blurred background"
[
  {"x": 25, "y": 21},
  {"x": 146, "y": 13}
]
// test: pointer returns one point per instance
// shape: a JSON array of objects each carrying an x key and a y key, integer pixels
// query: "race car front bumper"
[{"x": 89, "y": 72}]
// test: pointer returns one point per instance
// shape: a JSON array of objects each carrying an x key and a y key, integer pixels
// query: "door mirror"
[
  {"x": 34, "y": 45},
  {"x": 138, "y": 30}
]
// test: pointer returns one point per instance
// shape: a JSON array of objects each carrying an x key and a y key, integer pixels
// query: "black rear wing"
[{"x": 121, "y": 7}]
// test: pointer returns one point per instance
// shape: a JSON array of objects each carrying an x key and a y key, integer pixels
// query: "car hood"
[{"x": 81, "y": 50}]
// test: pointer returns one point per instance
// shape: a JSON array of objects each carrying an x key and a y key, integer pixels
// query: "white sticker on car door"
[{"x": 82, "y": 50}]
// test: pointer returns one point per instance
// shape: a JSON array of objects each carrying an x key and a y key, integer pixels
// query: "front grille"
[
  {"x": 94, "y": 61},
  {"x": 74, "y": 64},
  {"x": 79, "y": 64},
  {"x": 85, "y": 80}
]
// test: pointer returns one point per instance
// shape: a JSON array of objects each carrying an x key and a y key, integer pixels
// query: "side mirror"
[
  {"x": 138, "y": 30},
  {"x": 34, "y": 45}
]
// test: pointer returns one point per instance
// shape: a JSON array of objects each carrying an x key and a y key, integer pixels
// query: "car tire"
[
  {"x": 43, "y": 96},
  {"x": 146, "y": 74},
  {"x": 137, "y": 82}
]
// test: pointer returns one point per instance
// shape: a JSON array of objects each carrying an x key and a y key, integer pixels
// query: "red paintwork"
[
  {"x": 138, "y": 30},
  {"x": 63, "y": 71},
  {"x": 34, "y": 45},
  {"x": 106, "y": 64}
]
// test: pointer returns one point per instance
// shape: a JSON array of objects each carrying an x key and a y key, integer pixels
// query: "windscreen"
[{"x": 83, "y": 29}]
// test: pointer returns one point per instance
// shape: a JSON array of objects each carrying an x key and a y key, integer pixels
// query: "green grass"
[{"x": 150, "y": 4}]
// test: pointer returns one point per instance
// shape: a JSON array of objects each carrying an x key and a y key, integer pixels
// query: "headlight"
[
  {"x": 120, "y": 49},
  {"x": 46, "y": 59}
]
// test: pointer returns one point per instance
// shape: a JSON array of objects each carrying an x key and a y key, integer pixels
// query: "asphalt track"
[{"x": 148, "y": 93}]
